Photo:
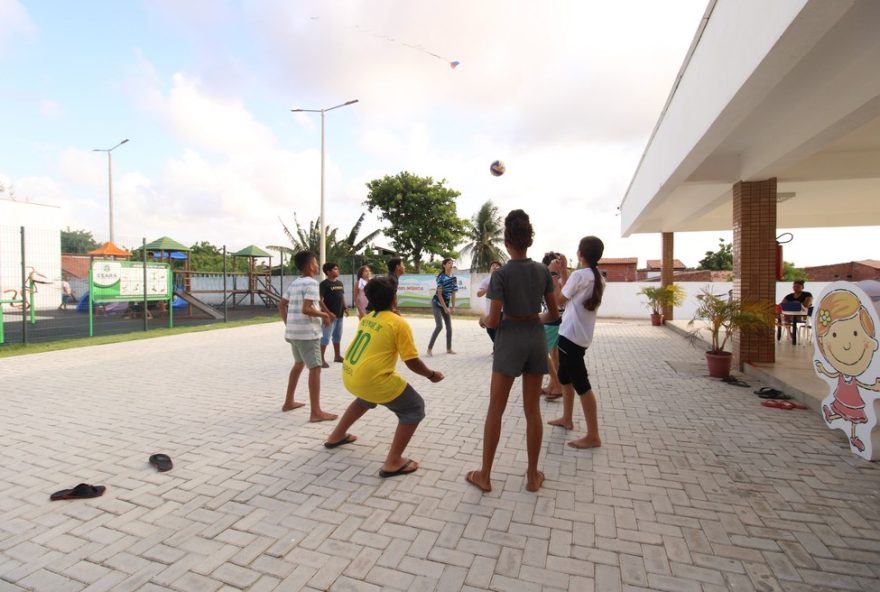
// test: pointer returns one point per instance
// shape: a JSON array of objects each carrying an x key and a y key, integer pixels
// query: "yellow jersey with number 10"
[{"x": 370, "y": 368}]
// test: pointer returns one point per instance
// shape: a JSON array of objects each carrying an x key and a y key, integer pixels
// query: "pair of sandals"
[
  {"x": 776, "y": 399},
  {"x": 162, "y": 462}
]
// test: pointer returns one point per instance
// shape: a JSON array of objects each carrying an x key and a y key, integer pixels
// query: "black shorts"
[{"x": 572, "y": 366}]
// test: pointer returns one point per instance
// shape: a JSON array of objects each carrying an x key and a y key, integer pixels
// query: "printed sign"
[
  {"x": 124, "y": 280},
  {"x": 416, "y": 291}
]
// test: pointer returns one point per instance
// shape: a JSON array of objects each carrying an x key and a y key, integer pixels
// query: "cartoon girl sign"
[{"x": 845, "y": 324}]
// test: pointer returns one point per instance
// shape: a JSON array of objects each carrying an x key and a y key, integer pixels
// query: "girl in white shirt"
[
  {"x": 360, "y": 296},
  {"x": 584, "y": 289}
]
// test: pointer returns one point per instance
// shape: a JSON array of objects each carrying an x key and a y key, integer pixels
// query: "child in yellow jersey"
[{"x": 369, "y": 373}]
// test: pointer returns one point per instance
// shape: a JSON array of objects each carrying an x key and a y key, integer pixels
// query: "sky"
[{"x": 566, "y": 93}]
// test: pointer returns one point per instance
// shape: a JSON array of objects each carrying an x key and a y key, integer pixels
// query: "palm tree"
[
  {"x": 485, "y": 234},
  {"x": 309, "y": 239}
]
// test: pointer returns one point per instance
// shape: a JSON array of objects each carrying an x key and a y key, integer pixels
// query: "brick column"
[
  {"x": 754, "y": 262},
  {"x": 667, "y": 261}
]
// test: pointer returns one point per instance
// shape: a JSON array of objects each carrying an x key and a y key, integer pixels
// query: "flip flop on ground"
[
  {"x": 347, "y": 439},
  {"x": 787, "y": 405},
  {"x": 162, "y": 462},
  {"x": 410, "y": 466},
  {"x": 735, "y": 381},
  {"x": 81, "y": 491},
  {"x": 766, "y": 392}
]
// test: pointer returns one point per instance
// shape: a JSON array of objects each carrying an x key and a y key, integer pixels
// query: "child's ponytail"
[{"x": 591, "y": 249}]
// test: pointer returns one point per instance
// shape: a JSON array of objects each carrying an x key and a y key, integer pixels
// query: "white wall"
[
  {"x": 622, "y": 299},
  {"x": 42, "y": 249}
]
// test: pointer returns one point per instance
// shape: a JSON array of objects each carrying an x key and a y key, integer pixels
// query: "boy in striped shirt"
[{"x": 300, "y": 310}]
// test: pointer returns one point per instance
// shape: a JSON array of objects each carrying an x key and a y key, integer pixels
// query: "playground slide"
[{"x": 199, "y": 305}]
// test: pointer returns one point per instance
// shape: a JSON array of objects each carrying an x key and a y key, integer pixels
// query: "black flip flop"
[
  {"x": 766, "y": 392},
  {"x": 162, "y": 462},
  {"x": 347, "y": 439},
  {"x": 81, "y": 491},
  {"x": 401, "y": 471},
  {"x": 736, "y": 381}
]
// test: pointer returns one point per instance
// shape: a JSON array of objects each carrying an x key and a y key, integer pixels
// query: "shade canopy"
[
  {"x": 171, "y": 255},
  {"x": 251, "y": 251},
  {"x": 166, "y": 244},
  {"x": 109, "y": 249}
]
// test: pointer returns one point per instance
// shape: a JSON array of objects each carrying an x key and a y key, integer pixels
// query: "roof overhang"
[{"x": 787, "y": 89}]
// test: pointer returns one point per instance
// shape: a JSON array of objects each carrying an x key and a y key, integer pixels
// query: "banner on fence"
[
  {"x": 416, "y": 291},
  {"x": 124, "y": 280}
]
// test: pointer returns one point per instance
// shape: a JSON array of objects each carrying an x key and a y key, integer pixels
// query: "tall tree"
[
  {"x": 422, "y": 214},
  {"x": 719, "y": 260},
  {"x": 485, "y": 238},
  {"x": 77, "y": 241}
]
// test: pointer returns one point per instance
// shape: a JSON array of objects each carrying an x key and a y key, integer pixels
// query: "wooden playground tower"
[{"x": 259, "y": 279}]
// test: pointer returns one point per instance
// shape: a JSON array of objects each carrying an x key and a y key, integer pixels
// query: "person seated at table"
[{"x": 799, "y": 295}]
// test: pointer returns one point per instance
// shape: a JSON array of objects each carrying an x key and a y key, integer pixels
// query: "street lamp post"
[
  {"x": 322, "y": 257},
  {"x": 110, "y": 178}
]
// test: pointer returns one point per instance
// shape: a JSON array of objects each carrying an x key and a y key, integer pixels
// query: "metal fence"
[{"x": 44, "y": 295}]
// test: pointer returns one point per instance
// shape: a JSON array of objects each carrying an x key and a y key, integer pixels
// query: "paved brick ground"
[{"x": 697, "y": 487}]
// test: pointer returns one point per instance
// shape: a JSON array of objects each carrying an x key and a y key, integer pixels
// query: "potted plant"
[
  {"x": 723, "y": 316},
  {"x": 659, "y": 297}
]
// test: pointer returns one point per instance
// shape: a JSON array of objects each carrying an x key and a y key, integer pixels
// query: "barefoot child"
[
  {"x": 584, "y": 289},
  {"x": 520, "y": 347},
  {"x": 303, "y": 317},
  {"x": 368, "y": 373}
]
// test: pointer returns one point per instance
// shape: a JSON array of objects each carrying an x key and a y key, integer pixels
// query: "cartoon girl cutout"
[{"x": 845, "y": 338}]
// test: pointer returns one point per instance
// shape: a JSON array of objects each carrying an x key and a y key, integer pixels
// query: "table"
[{"x": 794, "y": 316}]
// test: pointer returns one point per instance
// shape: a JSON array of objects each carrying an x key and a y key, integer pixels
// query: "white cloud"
[
  {"x": 15, "y": 22},
  {"x": 50, "y": 108},
  {"x": 84, "y": 167}
]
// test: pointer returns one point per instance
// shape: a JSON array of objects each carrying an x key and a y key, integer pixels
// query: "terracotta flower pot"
[
  {"x": 656, "y": 319},
  {"x": 719, "y": 364}
]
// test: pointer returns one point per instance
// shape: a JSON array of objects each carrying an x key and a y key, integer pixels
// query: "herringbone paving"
[{"x": 696, "y": 487}]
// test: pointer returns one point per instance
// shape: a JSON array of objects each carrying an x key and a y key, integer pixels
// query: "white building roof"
[{"x": 787, "y": 89}]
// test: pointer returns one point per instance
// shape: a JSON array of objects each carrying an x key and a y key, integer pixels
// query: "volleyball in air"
[{"x": 497, "y": 168}]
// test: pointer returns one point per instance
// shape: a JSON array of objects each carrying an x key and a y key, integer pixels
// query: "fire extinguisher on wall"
[{"x": 780, "y": 264}]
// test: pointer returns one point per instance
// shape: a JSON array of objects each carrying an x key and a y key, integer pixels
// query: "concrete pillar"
[
  {"x": 754, "y": 261},
  {"x": 666, "y": 268}
]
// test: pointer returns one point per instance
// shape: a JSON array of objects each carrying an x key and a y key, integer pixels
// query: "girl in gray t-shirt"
[{"x": 518, "y": 288}]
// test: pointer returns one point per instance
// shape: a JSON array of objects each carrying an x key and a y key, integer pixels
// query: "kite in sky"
[{"x": 452, "y": 63}]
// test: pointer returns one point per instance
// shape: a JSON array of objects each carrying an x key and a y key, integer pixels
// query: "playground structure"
[{"x": 257, "y": 279}]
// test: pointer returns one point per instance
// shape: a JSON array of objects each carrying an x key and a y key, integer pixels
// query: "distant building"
[
  {"x": 75, "y": 266},
  {"x": 620, "y": 269},
  {"x": 652, "y": 269},
  {"x": 854, "y": 271}
]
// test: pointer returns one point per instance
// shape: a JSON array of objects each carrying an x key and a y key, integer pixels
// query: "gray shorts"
[
  {"x": 520, "y": 348},
  {"x": 409, "y": 406},
  {"x": 307, "y": 351}
]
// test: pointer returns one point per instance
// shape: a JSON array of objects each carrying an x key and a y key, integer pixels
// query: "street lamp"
[
  {"x": 110, "y": 178},
  {"x": 323, "y": 247}
]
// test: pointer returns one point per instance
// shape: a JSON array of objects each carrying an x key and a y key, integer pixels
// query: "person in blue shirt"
[{"x": 443, "y": 305}]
